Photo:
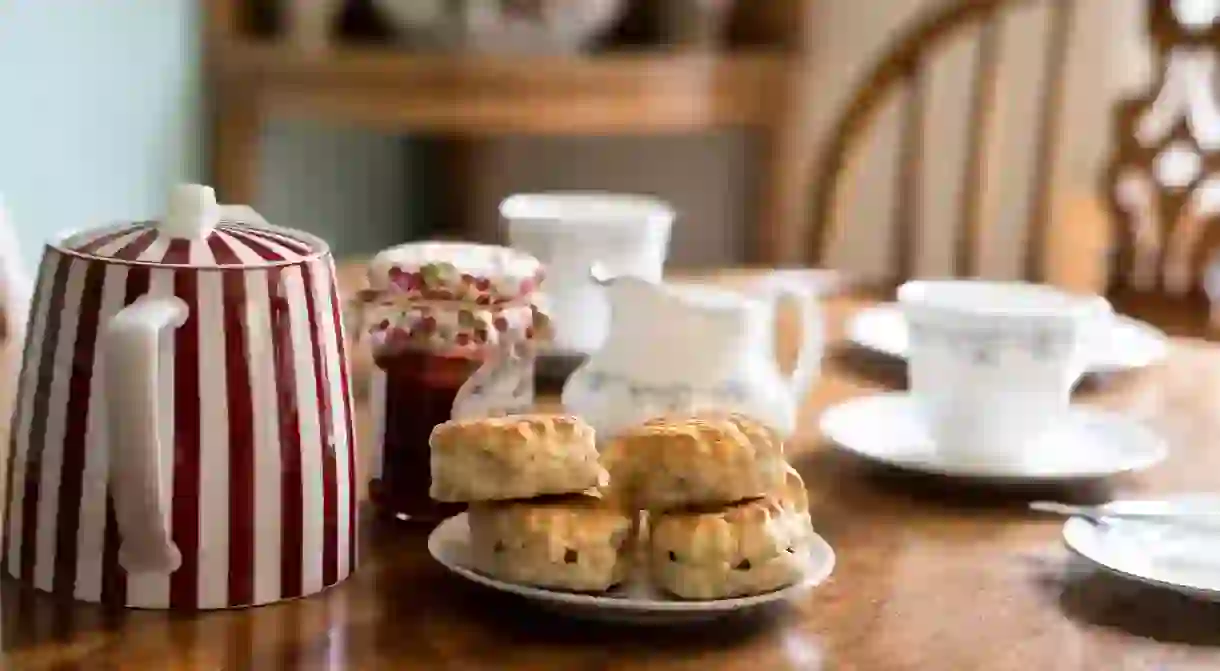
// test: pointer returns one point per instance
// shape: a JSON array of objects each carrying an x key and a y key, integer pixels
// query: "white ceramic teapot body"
[{"x": 684, "y": 348}]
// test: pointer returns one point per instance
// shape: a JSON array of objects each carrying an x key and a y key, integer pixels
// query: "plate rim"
[
  {"x": 1158, "y": 453},
  {"x": 815, "y": 578},
  {"x": 857, "y": 335},
  {"x": 1076, "y": 526}
]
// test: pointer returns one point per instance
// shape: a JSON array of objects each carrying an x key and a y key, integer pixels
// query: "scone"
[
  {"x": 695, "y": 461},
  {"x": 746, "y": 548},
  {"x": 578, "y": 543},
  {"x": 513, "y": 457}
]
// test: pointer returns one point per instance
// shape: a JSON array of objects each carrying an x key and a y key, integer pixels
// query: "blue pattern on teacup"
[{"x": 1042, "y": 343}]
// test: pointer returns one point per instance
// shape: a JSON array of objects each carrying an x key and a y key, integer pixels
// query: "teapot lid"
[{"x": 196, "y": 232}]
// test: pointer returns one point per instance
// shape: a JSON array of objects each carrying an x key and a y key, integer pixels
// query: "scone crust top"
[
  {"x": 716, "y": 434},
  {"x": 671, "y": 462},
  {"x": 513, "y": 457},
  {"x": 511, "y": 432}
]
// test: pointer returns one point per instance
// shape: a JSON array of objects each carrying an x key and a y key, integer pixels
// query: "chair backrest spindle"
[
  {"x": 907, "y": 213},
  {"x": 935, "y": 186},
  {"x": 982, "y": 105},
  {"x": 1049, "y": 127}
]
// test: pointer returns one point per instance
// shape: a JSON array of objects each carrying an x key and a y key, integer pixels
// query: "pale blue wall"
[{"x": 99, "y": 110}]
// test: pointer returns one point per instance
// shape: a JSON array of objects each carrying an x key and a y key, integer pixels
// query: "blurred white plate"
[
  {"x": 1129, "y": 345},
  {"x": 890, "y": 429},
  {"x": 636, "y": 602},
  {"x": 1181, "y": 558}
]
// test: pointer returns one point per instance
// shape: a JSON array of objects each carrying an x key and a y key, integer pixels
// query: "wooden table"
[{"x": 931, "y": 575}]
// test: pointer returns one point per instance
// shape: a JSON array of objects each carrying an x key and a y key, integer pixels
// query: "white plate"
[
  {"x": 1183, "y": 559},
  {"x": 636, "y": 602},
  {"x": 889, "y": 428},
  {"x": 1131, "y": 344}
]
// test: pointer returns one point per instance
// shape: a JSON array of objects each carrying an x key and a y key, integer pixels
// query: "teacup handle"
[
  {"x": 809, "y": 357},
  {"x": 130, "y": 344}
]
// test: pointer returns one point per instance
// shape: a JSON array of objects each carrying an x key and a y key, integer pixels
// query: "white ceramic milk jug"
[{"x": 681, "y": 348}]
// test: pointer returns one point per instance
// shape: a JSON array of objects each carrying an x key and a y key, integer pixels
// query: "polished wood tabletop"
[{"x": 932, "y": 574}]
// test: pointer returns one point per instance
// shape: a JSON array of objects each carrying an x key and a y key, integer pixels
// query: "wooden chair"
[
  {"x": 1163, "y": 183},
  {"x": 993, "y": 173}
]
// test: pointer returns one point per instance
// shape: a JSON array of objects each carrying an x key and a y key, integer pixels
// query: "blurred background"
[{"x": 371, "y": 122}]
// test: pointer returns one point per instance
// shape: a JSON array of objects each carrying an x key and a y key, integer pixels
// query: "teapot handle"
[
  {"x": 809, "y": 357},
  {"x": 130, "y": 344}
]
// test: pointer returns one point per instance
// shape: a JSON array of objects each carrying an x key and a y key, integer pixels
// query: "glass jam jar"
[{"x": 452, "y": 328}]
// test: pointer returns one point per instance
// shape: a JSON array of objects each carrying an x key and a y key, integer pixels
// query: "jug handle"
[
  {"x": 131, "y": 341},
  {"x": 809, "y": 357}
]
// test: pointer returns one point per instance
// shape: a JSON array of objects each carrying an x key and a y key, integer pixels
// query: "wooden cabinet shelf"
[
  {"x": 635, "y": 92},
  {"x": 255, "y": 76}
]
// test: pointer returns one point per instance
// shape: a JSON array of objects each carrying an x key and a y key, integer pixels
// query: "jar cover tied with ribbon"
[{"x": 454, "y": 330}]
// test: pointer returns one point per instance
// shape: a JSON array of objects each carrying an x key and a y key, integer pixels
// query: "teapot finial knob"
[{"x": 193, "y": 212}]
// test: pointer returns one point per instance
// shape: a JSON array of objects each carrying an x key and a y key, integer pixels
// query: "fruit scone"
[
  {"x": 513, "y": 457},
  {"x": 672, "y": 462},
  {"x": 581, "y": 543},
  {"x": 750, "y": 547}
]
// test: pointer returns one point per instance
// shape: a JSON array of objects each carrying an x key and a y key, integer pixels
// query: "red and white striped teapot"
[{"x": 182, "y": 436}]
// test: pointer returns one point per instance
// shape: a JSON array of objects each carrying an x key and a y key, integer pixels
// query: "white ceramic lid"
[
  {"x": 581, "y": 209},
  {"x": 196, "y": 232}
]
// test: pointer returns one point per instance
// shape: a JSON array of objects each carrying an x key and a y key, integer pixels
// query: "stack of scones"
[
  {"x": 727, "y": 515},
  {"x": 537, "y": 511},
  {"x": 707, "y": 504}
]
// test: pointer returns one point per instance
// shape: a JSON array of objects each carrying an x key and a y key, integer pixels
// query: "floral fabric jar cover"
[{"x": 453, "y": 329}]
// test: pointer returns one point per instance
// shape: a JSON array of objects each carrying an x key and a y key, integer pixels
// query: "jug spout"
[
  {"x": 604, "y": 276},
  {"x": 599, "y": 274},
  {"x": 623, "y": 291}
]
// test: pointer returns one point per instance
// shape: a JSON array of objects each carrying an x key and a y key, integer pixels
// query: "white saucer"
[
  {"x": 1129, "y": 345},
  {"x": 1182, "y": 559},
  {"x": 636, "y": 602},
  {"x": 889, "y": 428}
]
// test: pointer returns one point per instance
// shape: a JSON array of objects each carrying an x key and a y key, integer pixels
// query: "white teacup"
[
  {"x": 994, "y": 363},
  {"x": 570, "y": 232}
]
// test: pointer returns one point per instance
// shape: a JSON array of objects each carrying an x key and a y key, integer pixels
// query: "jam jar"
[{"x": 452, "y": 328}]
